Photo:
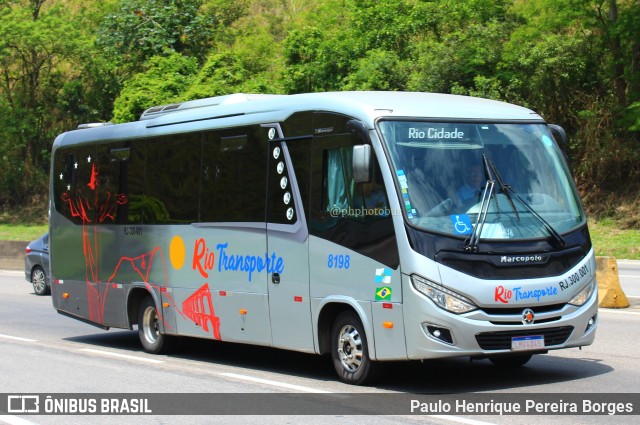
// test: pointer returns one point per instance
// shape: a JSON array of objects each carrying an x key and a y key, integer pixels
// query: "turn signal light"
[
  {"x": 65, "y": 295},
  {"x": 388, "y": 325}
]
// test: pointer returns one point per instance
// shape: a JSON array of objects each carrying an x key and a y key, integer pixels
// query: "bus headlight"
[
  {"x": 443, "y": 297},
  {"x": 584, "y": 295}
]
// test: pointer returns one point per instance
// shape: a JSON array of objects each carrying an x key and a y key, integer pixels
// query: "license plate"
[{"x": 527, "y": 343}]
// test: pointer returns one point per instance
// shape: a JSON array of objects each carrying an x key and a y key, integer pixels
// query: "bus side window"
[
  {"x": 342, "y": 194},
  {"x": 234, "y": 169},
  {"x": 338, "y": 187},
  {"x": 171, "y": 192}
]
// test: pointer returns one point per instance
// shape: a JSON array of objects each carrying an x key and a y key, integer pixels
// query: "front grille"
[
  {"x": 549, "y": 320},
  {"x": 502, "y": 340},
  {"x": 489, "y": 266},
  {"x": 486, "y": 270},
  {"x": 518, "y": 310}
]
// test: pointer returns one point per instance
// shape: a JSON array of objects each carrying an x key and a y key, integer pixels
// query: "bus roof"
[{"x": 244, "y": 109}]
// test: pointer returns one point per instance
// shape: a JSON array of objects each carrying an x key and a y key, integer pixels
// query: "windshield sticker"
[
  {"x": 383, "y": 294},
  {"x": 461, "y": 224},
  {"x": 505, "y": 296},
  {"x": 402, "y": 179}
]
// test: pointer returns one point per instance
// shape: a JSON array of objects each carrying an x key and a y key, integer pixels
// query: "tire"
[
  {"x": 153, "y": 341},
  {"x": 511, "y": 361},
  {"x": 39, "y": 281},
  {"x": 349, "y": 350}
]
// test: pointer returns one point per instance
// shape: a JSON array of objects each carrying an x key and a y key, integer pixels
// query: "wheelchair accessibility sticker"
[{"x": 461, "y": 224}]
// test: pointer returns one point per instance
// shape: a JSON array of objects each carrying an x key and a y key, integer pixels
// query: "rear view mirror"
[
  {"x": 560, "y": 136},
  {"x": 362, "y": 163}
]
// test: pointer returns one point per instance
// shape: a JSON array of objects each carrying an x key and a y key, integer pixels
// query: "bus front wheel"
[
  {"x": 349, "y": 350},
  {"x": 153, "y": 341}
]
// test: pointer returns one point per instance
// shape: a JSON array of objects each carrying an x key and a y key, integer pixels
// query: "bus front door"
[{"x": 288, "y": 255}]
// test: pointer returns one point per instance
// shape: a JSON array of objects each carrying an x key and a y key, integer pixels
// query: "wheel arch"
[
  {"x": 134, "y": 299},
  {"x": 330, "y": 309}
]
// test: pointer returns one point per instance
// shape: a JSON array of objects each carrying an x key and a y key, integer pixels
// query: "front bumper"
[{"x": 432, "y": 332}]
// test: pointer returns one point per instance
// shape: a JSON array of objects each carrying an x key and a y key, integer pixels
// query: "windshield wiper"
[
  {"x": 492, "y": 175},
  {"x": 504, "y": 188},
  {"x": 508, "y": 191},
  {"x": 549, "y": 228},
  {"x": 472, "y": 243}
]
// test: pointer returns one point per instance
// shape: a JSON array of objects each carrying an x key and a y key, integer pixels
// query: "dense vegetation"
[{"x": 576, "y": 62}]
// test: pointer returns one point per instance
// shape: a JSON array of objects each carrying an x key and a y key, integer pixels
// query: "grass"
[
  {"x": 608, "y": 239},
  {"x": 22, "y": 232}
]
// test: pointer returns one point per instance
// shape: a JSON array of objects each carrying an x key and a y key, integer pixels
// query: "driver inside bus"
[{"x": 470, "y": 191}]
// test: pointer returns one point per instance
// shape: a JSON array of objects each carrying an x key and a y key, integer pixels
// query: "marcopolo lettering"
[
  {"x": 435, "y": 133},
  {"x": 529, "y": 258}
]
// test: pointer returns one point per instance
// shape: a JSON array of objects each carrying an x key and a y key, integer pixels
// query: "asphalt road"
[{"x": 44, "y": 352}]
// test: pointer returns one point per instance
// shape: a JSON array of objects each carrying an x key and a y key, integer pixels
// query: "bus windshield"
[{"x": 506, "y": 181}]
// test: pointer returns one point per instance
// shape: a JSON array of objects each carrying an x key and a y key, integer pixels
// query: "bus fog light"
[
  {"x": 443, "y": 297},
  {"x": 439, "y": 333},
  {"x": 591, "y": 323}
]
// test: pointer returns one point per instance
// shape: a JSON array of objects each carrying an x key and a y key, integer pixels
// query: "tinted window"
[
  {"x": 172, "y": 175},
  {"x": 234, "y": 172},
  {"x": 75, "y": 183}
]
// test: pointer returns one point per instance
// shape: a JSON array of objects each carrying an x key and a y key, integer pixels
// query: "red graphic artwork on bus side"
[{"x": 85, "y": 206}]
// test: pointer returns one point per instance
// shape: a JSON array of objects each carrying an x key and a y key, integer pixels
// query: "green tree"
[
  {"x": 38, "y": 43},
  {"x": 573, "y": 61},
  {"x": 164, "y": 81},
  {"x": 140, "y": 29}
]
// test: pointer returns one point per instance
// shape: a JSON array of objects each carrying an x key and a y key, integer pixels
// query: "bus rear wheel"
[
  {"x": 349, "y": 350},
  {"x": 153, "y": 341}
]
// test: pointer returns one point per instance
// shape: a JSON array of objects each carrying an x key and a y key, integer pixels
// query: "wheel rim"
[
  {"x": 150, "y": 325},
  {"x": 350, "y": 348},
  {"x": 38, "y": 280}
]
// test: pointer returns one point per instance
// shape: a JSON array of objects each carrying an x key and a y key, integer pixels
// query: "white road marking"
[
  {"x": 276, "y": 383},
  {"x": 17, "y": 338},
  {"x": 456, "y": 419},
  {"x": 618, "y": 311},
  {"x": 122, "y": 356},
  {"x": 461, "y": 420},
  {"x": 14, "y": 420}
]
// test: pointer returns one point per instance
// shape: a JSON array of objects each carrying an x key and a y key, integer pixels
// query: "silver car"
[{"x": 36, "y": 265}]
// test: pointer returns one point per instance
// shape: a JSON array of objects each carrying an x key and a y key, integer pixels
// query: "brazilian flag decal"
[{"x": 383, "y": 293}]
